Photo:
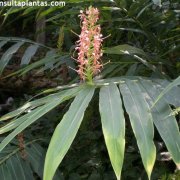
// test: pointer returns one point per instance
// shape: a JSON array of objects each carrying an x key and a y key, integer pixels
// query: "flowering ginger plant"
[{"x": 89, "y": 45}]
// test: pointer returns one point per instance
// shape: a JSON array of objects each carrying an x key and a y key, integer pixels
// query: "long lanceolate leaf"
[
  {"x": 66, "y": 131},
  {"x": 176, "y": 82},
  {"x": 124, "y": 49},
  {"x": 27, "y": 106},
  {"x": 173, "y": 94},
  {"x": 37, "y": 64},
  {"x": 30, "y": 118},
  {"x": 8, "y": 54},
  {"x": 13, "y": 167},
  {"x": 29, "y": 53},
  {"x": 132, "y": 51},
  {"x": 38, "y": 102},
  {"x": 30, "y": 105},
  {"x": 141, "y": 121},
  {"x": 16, "y": 122},
  {"x": 16, "y": 39},
  {"x": 113, "y": 124},
  {"x": 165, "y": 124}
]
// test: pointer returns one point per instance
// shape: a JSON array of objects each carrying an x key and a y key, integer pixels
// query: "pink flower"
[{"x": 89, "y": 45}]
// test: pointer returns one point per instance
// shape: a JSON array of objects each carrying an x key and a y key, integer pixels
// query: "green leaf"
[
  {"x": 2, "y": 43},
  {"x": 6, "y": 15},
  {"x": 35, "y": 155},
  {"x": 39, "y": 102},
  {"x": 135, "y": 53},
  {"x": 66, "y": 131},
  {"x": 30, "y": 118},
  {"x": 22, "y": 109},
  {"x": 5, "y": 173},
  {"x": 165, "y": 124},
  {"x": 133, "y": 69},
  {"x": 16, "y": 169},
  {"x": 172, "y": 96},
  {"x": 37, "y": 64},
  {"x": 47, "y": 12},
  {"x": 17, "y": 39},
  {"x": 176, "y": 82},
  {"x": 31, "y": 105},
  {"x": 124, "y": 49},
  {"x": 108, "y": 69},
  {"x": 16, "y": 122},
  {"x": 6, "y": 57},
  {"x": 60, "y": 15},
  {"x": 29, "y": 53},
  {"x": 113, "y": 124},
  {"x": 29, "y": 10},
  {"x": 141, "y": 121},
  {"x": 134, "y": 30},
  {"x": 24, "y": 168},
  {"x": 144, "y": 9},
  {"x": 13, "y": 166}
]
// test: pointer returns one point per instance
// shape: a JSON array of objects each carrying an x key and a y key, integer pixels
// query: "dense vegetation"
[{"x": 110, "y": 120}]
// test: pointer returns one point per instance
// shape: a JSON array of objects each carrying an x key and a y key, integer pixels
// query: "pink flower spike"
[{"x": 89, "y": 45}]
